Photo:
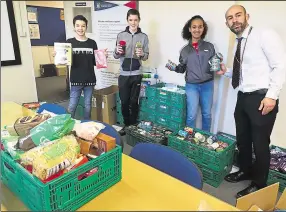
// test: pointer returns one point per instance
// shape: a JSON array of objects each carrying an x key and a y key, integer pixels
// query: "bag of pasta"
[{"x": 52, "y": 157}]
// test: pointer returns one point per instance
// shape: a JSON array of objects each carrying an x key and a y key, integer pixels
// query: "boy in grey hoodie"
[{"x": 131, "y": 55}]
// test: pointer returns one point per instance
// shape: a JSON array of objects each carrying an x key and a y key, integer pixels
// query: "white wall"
[
  {"x": 18, "y": 82},
  {"x": 69, "y": 15},
  {"x": 271, "y": 14}
]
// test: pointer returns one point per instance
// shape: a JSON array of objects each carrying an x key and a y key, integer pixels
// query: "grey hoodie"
[
  {"x": 129, "y": 63},
  {"x": 195, "y": 65}
]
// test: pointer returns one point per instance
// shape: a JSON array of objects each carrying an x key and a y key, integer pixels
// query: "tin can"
[
  {"x": 219, "y": 149},
  {"x": 215, "y": 145},
  {"x": 199, "y": 136},
  {"x": 224, "y": 145},
  {"x": 183, "y": 133},
  {"x": 209, "y": 140}
]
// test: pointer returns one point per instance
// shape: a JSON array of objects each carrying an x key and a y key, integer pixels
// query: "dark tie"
[{"x": 236, "y": 65}]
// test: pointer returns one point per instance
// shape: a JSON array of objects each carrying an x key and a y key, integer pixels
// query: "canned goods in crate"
[{"x": 183, "y": 133}]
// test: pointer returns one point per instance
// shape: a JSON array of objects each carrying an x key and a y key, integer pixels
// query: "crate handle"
[
  {"x": 87, "y": 174},
  {"x": 9, "y": 167}
]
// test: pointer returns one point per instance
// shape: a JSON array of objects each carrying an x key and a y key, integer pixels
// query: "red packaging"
[{"x": 100, "y": 58}]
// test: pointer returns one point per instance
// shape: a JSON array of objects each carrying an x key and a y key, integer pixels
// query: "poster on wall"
[
  {"x": 62, "y": 15},
  {"x": 109, "y": 19},
  {"x": 34, "y": 31},
  {"x": 32, "y": 14}
]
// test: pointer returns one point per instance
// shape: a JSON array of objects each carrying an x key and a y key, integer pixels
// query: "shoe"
[
  {"x": 250, "y": 189},
  {"x": 122, "y": 132},
  {"x": 236, "y": 177}
]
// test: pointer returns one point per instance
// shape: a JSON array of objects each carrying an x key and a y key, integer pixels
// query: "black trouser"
[
  {"x": 129, "y": 90},
  {"x": 254, "y": 128}
]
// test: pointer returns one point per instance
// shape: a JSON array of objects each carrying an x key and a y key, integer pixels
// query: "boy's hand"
[
  {"x": 139, "y": 52},
  {"x": 106, "y": 53},
  {"x": 119, "y": 49},
  {"x": 54, "y": 53}
]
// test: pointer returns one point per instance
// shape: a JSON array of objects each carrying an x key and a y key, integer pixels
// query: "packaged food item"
[
  {"x": 23, "y": 125},
  {"x": 122, "y": 43},
  {"x": 25, "y": 143},
  {"x": 82, "y": 159},
  {"x": 89, "y": 148},
  {"x": 100, "y": 58},
  {"x": 31, "y": 105},
  {"x": 88, "y": 130},
  {"x": 52, "y": 129},
  {"x": 52, "y": 157},
  {"x": 104, "y": 142},
  {"x": 171, "y": 66},
  {"x": 9, "y": 144},
  {"x": 63, "y": 53}
]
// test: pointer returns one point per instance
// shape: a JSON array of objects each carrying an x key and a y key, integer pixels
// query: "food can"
[
  {"x": 224, "y": 145},
  {"x": 183, "y": 133},
  {"x": 215, "y": 145},
  {"x": 219, "y": 149}
]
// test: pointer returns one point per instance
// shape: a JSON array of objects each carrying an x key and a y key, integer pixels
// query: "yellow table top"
[
  {"x": 11, "y": 111},
  {"x": 141, "y": 188}
]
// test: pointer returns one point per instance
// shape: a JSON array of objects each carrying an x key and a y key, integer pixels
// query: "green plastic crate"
[
  {"x": 119, "y": 118},
  {"x": 275, "y": 176},
  {"x": 168, "y": 123},
  {"x": 66, "y": 193},
  {"x": 170, "y": 110},
  {"x": 171, "y": 98},
  {"x": 79, "y": 113},
  {"x": 151, "y": 91},
  {"x": 212, "y": 177},
  {"x": 117, "y": 97},
  {"x": 133, "y": 138},
  {"x": 118, "y": 106},
  {"x": 151, "y": 116},
  {"x": 201, "y": 155}
]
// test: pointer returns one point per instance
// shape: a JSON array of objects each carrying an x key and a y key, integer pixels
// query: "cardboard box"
[
  {"x": 263, "y": 200},
  {"x": 104, "y": 142},
  {"x": 61, "y": 70},
  {"x": 104, "y": 105}
]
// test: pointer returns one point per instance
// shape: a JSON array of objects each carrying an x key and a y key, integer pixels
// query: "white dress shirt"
[{"x": 263, "y": 62}]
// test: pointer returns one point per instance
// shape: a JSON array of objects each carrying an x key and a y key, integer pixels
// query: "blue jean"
[
  {"x": 75, "y": 94},
  {"x": 200, "y": 94}
]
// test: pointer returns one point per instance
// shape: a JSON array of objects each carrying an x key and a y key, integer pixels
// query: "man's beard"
[{"x": 242, "y": 27}]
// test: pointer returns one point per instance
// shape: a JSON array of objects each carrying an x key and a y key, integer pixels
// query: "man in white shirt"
[{"x": 258, "y": 73}]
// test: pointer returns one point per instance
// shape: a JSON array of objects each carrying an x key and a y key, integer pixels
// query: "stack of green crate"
[
  {"x": 275, "y": 176},
  {"x": 119, "y": 117},
  {"x": 142, "y": 110},
  {"x": 213, "y": 165},
  {"x": 168, "y": 107},
  {"x": 79, "y": 113}
]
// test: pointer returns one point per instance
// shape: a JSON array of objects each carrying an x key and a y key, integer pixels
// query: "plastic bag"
[
  {"x": 23, "y": 125},
  {"x": 100, "y": 58},
  {"x": 54, "y": 128},
  {"x": 51, "y": 158},
  {"x": 88, "y": 130},
  {"x": 9, "y": 144}
]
